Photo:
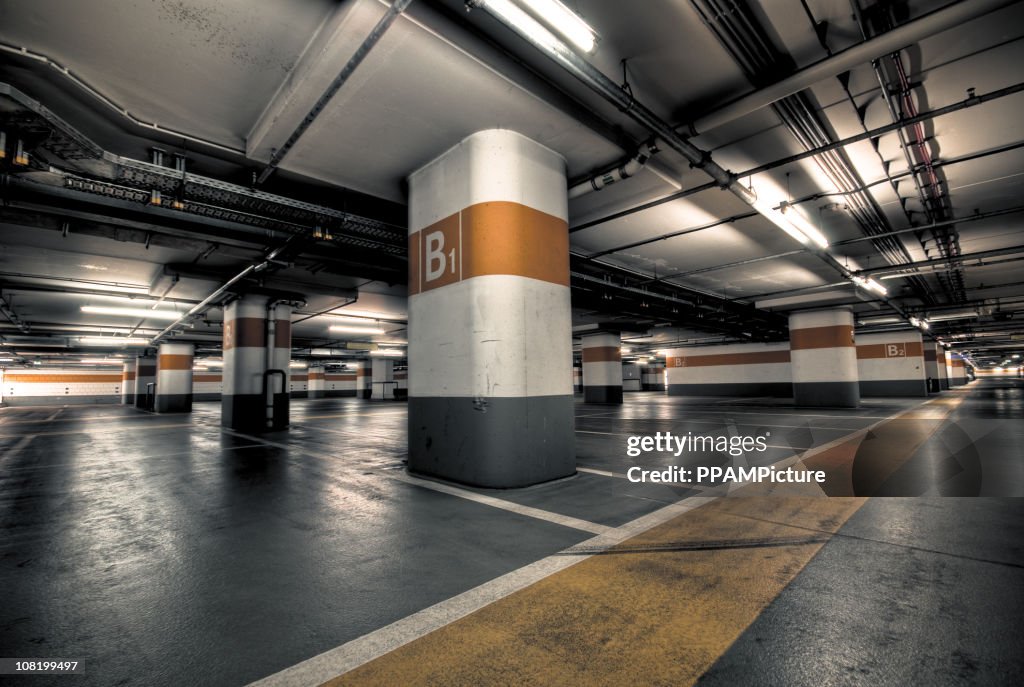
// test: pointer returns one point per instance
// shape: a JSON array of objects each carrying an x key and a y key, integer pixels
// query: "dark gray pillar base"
[
  {"x": 775, "y": 389},
  {"x": 602, "y": 394},
  {"x": 831, "y": 394},
  {"x": 173, "y": 403},
  {"x": 300, "y": 394},
  {"x": 341, "y": 393},
  {"x": 128, "y": 400},
  {"x": 944, "y": 384},
  {"x": 244, "y": 413},
  {"x": 318, "y": 393},
  {"x": 894, "y": 387},
  {"x": 494, "y": 442}
]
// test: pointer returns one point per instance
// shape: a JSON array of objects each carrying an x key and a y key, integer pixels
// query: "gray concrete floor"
[{"x": 160, "y": 549}]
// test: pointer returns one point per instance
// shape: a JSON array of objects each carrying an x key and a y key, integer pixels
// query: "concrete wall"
[
  {"x": 340, "y": 383},
  {"x": 754, "y": 369},
  {"x": 206, "y": 386},
  {"x": 60, "y": 386},
  {"x": 298, "y": 385},
  {"x": 891, "y": 364},
  {"x": 631, "y": 378},
  {"x": 652, "y": 378}
]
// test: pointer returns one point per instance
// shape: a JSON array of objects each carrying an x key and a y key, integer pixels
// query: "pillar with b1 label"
[
  {"x": 490, "y": 336},
  {"x": 602, "y": 368},
  {"x": 382, "y": 378},
  {"x": 823, "y": 358},
  {"x": 145, "y": 382},
  {"x": 174, "y": 378},
  {"x": 128, "y": 383}
]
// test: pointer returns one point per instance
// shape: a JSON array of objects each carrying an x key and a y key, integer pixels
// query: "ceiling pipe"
[
  {"x": 224, "y": 288},
  {"x": 623, "y": 171},
  {"x": 124, "y": 112},
  {"x": 357, "y": 58},
  {"x": 912, "y": 32},
  {"x": 626, "y": 103},
  {"x": 971, "y": 101},
  {"x": 896, "y": 270},
  {"x": 6, "y": 311}
]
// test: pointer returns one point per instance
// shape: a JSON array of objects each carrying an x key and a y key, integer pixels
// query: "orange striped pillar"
[
  {"x": 255, "y": 394},
  {"x": 364, "y": 379},
  {"x": 490, "y": 336},
  {"x": 174, "y": 378},
  {"x": 128, "y": 383},
  {"x": 602, "y": 368},
  {"x": 956, "y": 369},
  {"x": 145, "y": 382},
  {"x": 935, "y": 364},
  {"x": 823, "y": 358},
  {"x": 317, "y": 382}
]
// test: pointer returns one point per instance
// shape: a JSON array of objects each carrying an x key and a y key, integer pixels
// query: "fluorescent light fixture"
[
  {"x": 297, "y": 366},
  {"x": 112, "y": 341},
  {"x": 100, "y": 361},
  {"x": 781, "y": 222},
  {"x": 959, "y": 315},
  {"x": 388, "y": 352},
  {"x": 146, "y": 313},
  {"x": 564, "y": 21},
  {"x": 355, "y": 330},
  {"x": 519, "y": 20},
  {"x": 801, "y": 224},
  {"x": 869, "y": 285},
  {"x": 6, "y": 360},
  {"x": 880, "y": 320},
  {"x": 923, "y": 324},
  {"x": 109, "y": 288},
  {"x": 367, "y": 314},
  {"x": 625, "y": 349},
  {"x": 393, "y": 343}
]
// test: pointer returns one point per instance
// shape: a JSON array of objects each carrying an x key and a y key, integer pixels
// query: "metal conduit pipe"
[
  {"x": 628, "y": 105},
  {"x": 623, "y": 171},
  {"x": 357, "y": 58},
  {"x": 912, "y": 32},
  {"x": 971, "y": 101},
  {"x": 99, "y": 95}
]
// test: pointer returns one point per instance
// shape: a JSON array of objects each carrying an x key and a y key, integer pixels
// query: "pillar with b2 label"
[
  {"x": 490, "y": 336},
  {"x": 823, "y": 358},
  {"x": 174, "y": 378}
]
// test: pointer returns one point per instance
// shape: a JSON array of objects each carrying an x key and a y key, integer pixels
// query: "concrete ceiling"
[{"x": 226, "y": 82}]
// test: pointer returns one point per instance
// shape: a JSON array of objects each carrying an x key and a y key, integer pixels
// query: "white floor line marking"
[
  {"x": 351, "y": 655},
  {"x": 355, "y": 653},
  {"x": 16, "y": 449},
  {"x": 110, "y": 430},
  {"x": 348, "y": 656},
  {"x": 55, "y": 414},
  {"x": 689, "y": 421},
  {"x": 452, "y": 490}
]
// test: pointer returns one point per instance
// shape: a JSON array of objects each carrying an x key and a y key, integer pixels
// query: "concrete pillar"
[
  {"x": 279, "y": 383},
  {"x": 145, "y": 374},
  {"x": 128, "y": 383},
  {"x": 602, "y": 368},
  {"x": 382, "y": 378},
  {"x": 401, "y": 384},
  {"x": 255, "y": 396},
  {"x": 823, "y": 358},
  {"x": 935, "y": 364},
  {"x": 956, "y": 369},
  {"x": 174, "y": 378},
  {"x": 317, "y": 382},
  {"x": 577, "y": 379},
  {"x": 364, "y": 379},
  {"x": 490, "y": 335}
]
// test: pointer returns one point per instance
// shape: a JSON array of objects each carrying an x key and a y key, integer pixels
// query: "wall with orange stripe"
[
  {"x": 45, "y": 387},
  {"x": 755, "y": 369},
  {"x": 891, "y": 364}
]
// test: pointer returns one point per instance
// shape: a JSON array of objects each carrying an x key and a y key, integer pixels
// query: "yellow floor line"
[{"x": 661, "y": 607}]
